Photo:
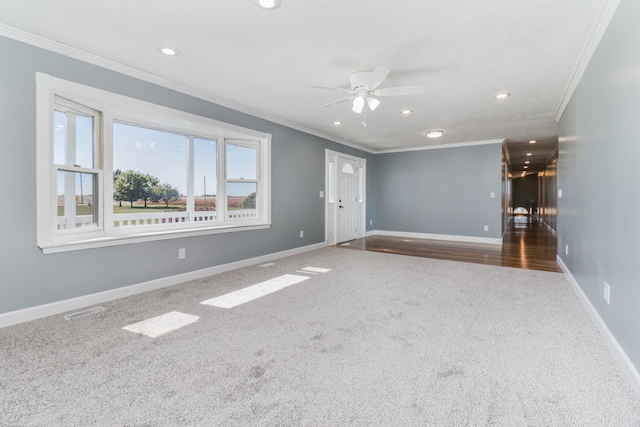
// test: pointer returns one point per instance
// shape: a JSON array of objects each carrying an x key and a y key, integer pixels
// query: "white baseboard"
[
  {"x": 618, "y": 352},
  {"x": 40, "y": 311},
  {"x": 449, "y": 237},
  {"x": 370, "y": 233},
  {"x": 551, "y": 230}
]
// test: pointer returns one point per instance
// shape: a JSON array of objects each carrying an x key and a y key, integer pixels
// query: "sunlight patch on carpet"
[
  {"x": 162, "y": 324},
  {"x": 254, "y": 292},
  {"x": 316, "y": 270}
]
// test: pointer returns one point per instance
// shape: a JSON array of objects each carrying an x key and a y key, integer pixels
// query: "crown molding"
[
  {"x": 440, "y": 146},
  {"x": 595, "y": 36},
  {"x": 72, "y": 52}
]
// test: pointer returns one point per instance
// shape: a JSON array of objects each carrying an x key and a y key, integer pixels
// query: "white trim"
[
  {"x": 593, "y": 40},
  {"x": 54, "y": 46},
  {"x": 437, "y": 147},
  {"x": 143, "y": 113},
  {"x": 37, "y": 312},
  {"x": 331, "y": 155},
  {"x": 142, "y": 237},
  {"x": 449, "y": 237},
  {"x": 551, "y": 230},
  {"x": 618, "y": 352}
]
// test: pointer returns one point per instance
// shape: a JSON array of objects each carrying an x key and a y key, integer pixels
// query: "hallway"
[{"x": 526, "y": 245}]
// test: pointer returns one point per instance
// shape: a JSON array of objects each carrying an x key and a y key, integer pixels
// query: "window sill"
[{"x": 143, "y": 237}]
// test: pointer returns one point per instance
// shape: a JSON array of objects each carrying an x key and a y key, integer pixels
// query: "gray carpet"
[{"x": 379, "y": 340}]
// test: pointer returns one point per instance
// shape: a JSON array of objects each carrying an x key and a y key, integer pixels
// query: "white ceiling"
[{"x": 464, "y": 52}]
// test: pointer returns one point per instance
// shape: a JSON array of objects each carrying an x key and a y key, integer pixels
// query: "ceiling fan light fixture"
[
  {"x": 358, "y": 104},
  {"x": 373, "y": 103},
  {"x": 434, "y": 133},
  {"x": 268, "y": 4}
]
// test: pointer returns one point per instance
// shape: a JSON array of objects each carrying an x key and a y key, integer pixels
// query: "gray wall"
[
  {"x": 29, "y": 278},
  {"x": 443, "y": 191},
  {"x": 440, "y": 191},
  {"x": 599, "y": 153}
]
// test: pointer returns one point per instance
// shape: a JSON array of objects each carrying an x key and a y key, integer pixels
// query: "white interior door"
[{"x": 347, "y": 200}]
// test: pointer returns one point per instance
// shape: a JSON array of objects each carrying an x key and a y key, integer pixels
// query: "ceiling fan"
[{"x": 364, "y": 89}]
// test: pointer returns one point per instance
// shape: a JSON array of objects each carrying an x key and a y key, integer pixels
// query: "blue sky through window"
[
  {"x": 161, "y": 154},
  {"x": 154, "y": 152}
]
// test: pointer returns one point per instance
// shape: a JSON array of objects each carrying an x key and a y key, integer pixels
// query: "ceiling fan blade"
[
  {"x": 339, "y": 89},
  {"x": 337, "y": 102},
  {"x": 376, "y": 77},
  {"x": 397, "y": 91}
]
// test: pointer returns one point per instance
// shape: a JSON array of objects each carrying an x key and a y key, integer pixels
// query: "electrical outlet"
[
  {"x": 492, "y": 195},
  {"x": 566, "y": 249},
  {"x": 301, "y": 234},
  {"x": 182, "y": 253},
  {"x": 486, "y": 228},
  {"x": 607, "y": 293},
  {"x": 371, "y": 222}
]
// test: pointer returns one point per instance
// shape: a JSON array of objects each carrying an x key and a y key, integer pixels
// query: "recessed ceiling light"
[
  {"x": 268, "y": 4},
  {"x": 407, "y": 111},
  {"x": 337, "y": 123},
  {"x": 503, "y": 95},
  {"x": 533, "y": 141},
  {"x": 434, "y": 133},
  {"x": 529, "y": 154},
  {"x": 525, "y": 167},
  {"x": 527, "y": 162},
  {"x": 170, "y": 51}
]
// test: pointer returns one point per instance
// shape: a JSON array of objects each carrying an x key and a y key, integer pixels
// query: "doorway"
[{"x": 345, "y": 204}]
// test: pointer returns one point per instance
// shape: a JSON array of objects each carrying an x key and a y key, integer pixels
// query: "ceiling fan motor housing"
[{"x": 358, "y": 80}]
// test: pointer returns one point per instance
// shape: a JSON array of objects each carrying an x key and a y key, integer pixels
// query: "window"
[
  {"x": 114, "y": 170},
  {"x": 75, "y": 133},
  {"x": 242, "y": 179},
  {"x": 331, "y": 184}
]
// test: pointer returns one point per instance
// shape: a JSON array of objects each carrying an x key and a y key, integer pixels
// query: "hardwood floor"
[{"x": 527, "y": 245}]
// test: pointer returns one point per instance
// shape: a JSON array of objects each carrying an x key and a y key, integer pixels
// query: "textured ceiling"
[{"x": 464, "y": 52}]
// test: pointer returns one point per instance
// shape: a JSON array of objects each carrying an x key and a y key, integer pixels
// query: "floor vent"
[{"x": 83, "y": 313}]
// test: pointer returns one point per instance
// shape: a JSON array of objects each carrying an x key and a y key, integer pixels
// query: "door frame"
[{"x": 331, "y": 213}]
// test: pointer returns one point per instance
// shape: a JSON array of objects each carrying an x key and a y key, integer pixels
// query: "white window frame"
[{"x": 113, "y": 107}]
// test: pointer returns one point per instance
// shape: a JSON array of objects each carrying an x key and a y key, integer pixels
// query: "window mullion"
[
  {"x": 221, "y": 199},
  {"x": 105, "y": 148},
  {"x": 190, "y": 178}
]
